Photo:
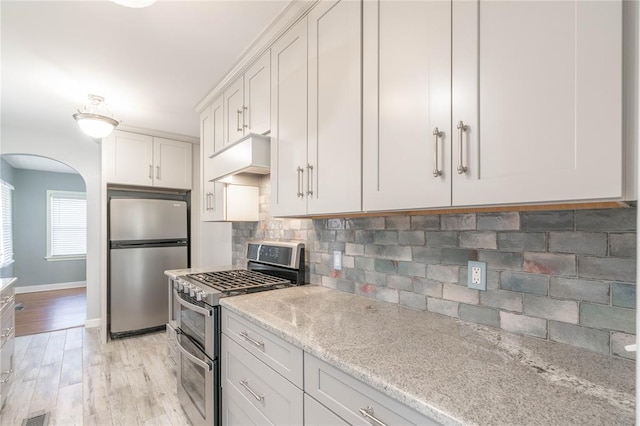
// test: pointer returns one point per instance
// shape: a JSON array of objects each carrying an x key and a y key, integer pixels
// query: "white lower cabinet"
[
  {"x": 256, "y": 389},
  {"x": 352, "y": 400},
  {"x": 316, "y": 414},
  {"x": 262, "y": 383}
]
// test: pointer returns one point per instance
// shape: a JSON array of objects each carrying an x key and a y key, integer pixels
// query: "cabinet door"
[
  {"x": 128, "y": 158},
  {"x": 406, "y": 83},
  {"x": 333, "y": 171},
  {"x": 289, "y": 121},
  {"x": 257, "y": 96},
  {"x": 538, "y": 86},
  {"x": 233, "y": 112},
  {"x": 212, "y": 193},
  {"x": 217, "y": 121},
  {"x": 172, "y": 160}
]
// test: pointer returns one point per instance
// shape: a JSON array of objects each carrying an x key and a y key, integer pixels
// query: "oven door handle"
[
  {"x": 191, "y": 306},
  {"x": 192, "y": 358}
]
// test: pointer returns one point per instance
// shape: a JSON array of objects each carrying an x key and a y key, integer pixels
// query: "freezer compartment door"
[
  {"x": 138, "y": 287},
  {"x": 147, "y": 219}
]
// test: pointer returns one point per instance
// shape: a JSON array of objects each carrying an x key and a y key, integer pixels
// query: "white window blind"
[
  {"x": 67, "y": 224},
  {"x": 6, "y": 236}
]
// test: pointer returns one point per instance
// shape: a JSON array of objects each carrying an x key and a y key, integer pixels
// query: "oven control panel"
[{"x": 275, "y": 253}]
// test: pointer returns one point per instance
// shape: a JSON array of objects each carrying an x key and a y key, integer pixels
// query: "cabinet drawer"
[
  {"x": 252, "y": 381},
  {"x": 7, "y": 297},
  {"x": 316, "y": 414},
  {"x": 354, "y": 401},
  {"x": 6, "y": 370},
  {"x": 282, "y": 356},
  {"x": 7, "y": 323}
]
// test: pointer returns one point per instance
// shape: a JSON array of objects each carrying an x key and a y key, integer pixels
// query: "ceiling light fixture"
[
  {"x": 134, "y": 3},
  {"x": 95, "y": 120}
]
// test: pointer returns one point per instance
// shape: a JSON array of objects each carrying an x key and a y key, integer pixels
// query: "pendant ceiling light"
[{"x": 95, "y": 120}]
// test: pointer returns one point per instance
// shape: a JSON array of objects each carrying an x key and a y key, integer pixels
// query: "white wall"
[{"x": 83, "y": 154}]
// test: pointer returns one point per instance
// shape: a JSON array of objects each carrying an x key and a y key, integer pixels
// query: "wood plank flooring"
[
  {"x": 46, "y": 311},
  {"x": 82, "y": 382}
]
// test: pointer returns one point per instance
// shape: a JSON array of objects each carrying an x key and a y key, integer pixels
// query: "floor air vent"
[
  {"x": 39, "y": 420},
  {"x": 19, "y": 306}
]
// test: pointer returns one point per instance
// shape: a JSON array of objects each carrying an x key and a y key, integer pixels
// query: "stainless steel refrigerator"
[{"x": 147, "y": 237}]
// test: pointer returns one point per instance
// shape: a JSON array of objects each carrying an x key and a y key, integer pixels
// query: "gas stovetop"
[{"x": 238, "y": 280}]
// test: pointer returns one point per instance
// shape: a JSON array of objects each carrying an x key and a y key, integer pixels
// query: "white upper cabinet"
[
  {"x": 333, "y": 173},
  {"x": 128, "y": 158},
  {"x": 406, "y": 105},
  {"x": 316, "y": 169},
  {"x": 133, "y": 159},
  {"x": 247, "y": 102},
  {"x": 172, "y": 160},
  {"x": 257, "y": 96},
  {"x": 233, "y": 111},
  {"x": 211, "y": 202},
  {"x": 537, "y": 101},
  {"x": 289, "y": 121}
]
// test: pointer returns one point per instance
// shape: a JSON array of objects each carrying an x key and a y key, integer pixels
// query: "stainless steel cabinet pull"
[
  {"x": 213, "y": 200},
  {"x": 245, "y": 384},
  {"x": 300, "y": 178},
  {"x": 8, "y": 373},
  {"x": 244, "y": 109},
  {"x": 368, "y": 414},
  {"x": 157, "y": 172},
  {"x": 437, "y": 135},
  {"x": 254, "y": 342},
  {"x": 150, "y": 171},
  {"x": 207, "y": 203},
  {"x": 309, "y": 181},
  {"x": 461, "y": 129},
  {"x": 7, "y": 332},
  {"x": 238, "y": 128}
]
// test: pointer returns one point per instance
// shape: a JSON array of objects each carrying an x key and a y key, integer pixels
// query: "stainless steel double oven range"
[{"x": 196, "y": 311}]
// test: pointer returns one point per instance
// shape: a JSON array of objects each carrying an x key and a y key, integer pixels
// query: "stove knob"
[
  {"x": 178, "y": 285},
  {"x": 185, "y": 288},
  {"x": 192, "y": 291},
  {"x": 200, "y": 295}
]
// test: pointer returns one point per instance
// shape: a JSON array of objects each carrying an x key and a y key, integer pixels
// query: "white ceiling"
[
  {"x": 34, "y": 162},
  {"x": 152, "y": 65}
]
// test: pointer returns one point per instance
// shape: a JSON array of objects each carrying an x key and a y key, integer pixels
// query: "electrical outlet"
[
  {"x": 477, "y": 276},
  {"x": 337, "y": 260}
]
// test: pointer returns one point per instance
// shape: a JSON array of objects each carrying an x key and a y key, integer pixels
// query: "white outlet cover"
[
  {"x": 337, "y": 260},
  {"x": 477, "y": 279}
]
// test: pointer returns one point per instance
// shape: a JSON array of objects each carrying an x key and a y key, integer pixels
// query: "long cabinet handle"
[
  {"x": 461, "y": 129},
  {"x": 245, "y": 384},
  {"x": 300, "y": 171},
  {"x": 368, "y": 414},
  {"x": 244, "y": 109},
  {"x": 150, "y": 171},
  {"x": 254, "y": 342},
  {"x": 158, "y": 172},
  {"x": 309, "y": 181},
  {"x": 238, "y": 113},
  {"x": 437, "y": 134},
  {"x": 7, "y": 332},
  {"x": 207, "y": 203}
]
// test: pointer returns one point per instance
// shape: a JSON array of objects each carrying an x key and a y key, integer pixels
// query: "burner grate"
[{"x": 237, "y": 280}]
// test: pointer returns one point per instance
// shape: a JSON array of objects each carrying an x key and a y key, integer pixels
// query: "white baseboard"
[
  {"x": 92, "y": 323},
  {"x": 49, "y": 287}
]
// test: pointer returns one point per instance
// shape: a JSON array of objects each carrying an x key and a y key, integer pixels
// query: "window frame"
[
  {"x": 70, "y": 194},
  {"x": 6, "y": 185}
]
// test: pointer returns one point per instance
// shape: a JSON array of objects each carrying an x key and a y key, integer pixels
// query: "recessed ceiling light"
[{"x": 134, "y": 3}]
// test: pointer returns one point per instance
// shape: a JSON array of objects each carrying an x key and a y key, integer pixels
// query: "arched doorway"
[{"x": 49, "y": 242}]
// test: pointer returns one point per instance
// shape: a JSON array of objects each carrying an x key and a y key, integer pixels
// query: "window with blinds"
[
  {"x": 6, "y": 236},
  {"x": 66, "y": 225}
]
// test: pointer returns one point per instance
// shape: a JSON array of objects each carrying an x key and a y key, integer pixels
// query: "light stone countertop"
[
  {"x": 175, "y": 273},
  {"x": 6, "y": 282},
  {"x": 450, "y": 370}
]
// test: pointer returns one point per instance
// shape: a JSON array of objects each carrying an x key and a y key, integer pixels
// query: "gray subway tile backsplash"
[{"x": 565, "y": 276}]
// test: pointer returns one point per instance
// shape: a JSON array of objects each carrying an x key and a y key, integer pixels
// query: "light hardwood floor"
[
  {"x": 80, "y": 381},
  {"x": 45, "y": 311}
]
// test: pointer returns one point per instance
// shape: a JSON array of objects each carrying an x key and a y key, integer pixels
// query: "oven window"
[
  {"x": 192, "y": 323},
  {"x": 193, "y": 376}
]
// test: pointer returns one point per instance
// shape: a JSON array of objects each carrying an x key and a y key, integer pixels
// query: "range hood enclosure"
[{"x": 251, "y": 154}]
